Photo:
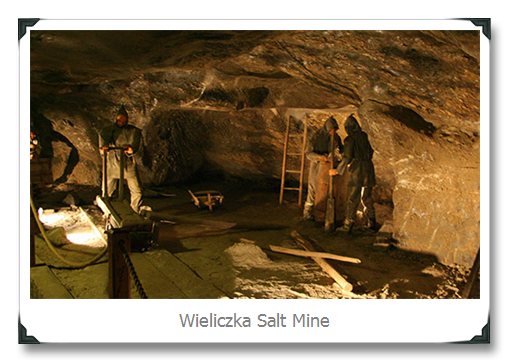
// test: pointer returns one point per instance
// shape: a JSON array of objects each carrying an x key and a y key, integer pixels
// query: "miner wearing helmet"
[{"x": 121, "y": 134}]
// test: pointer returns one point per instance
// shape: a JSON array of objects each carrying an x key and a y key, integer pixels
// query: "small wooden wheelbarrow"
[{"x": 206, "y": 198}]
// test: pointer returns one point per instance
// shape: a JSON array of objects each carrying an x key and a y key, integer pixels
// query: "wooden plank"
[
  {"x": 195, "y": 199},
  {"x": 330, "y": 256},
  {"x": 180, "y": 275},
  {"x": 155, "y": 284},
  {"x": 346, "y": 286},
  {"x": 247, "y": 241},
  {"x": 45, "y": 285}
]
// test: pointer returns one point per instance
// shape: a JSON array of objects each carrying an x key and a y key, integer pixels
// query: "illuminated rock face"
[
  {"x": 219, "y": 102},
  {"x": 435, "y": 182}
]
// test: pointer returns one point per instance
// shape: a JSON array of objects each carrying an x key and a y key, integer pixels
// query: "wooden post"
[
  {"x": 303, "y": 161},
  {"x": 105, "y": 175},
  {"x": 33, "y": 232},
  {"x": 329, "y": 224},
  {"x": 121, "y": 175},
  {"x": 119, "y": 279},
  {"x": 284, "y": 163}
]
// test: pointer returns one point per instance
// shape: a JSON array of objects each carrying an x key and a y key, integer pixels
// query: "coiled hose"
[{"x": 50, "y": 245}]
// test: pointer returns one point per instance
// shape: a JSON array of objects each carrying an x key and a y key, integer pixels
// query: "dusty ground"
[{"x": 201, "y": 240}]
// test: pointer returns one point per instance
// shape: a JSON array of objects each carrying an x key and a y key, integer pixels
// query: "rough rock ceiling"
[
  {"x": 246, "y": 83},
  {"x": 433, "y": 73}
]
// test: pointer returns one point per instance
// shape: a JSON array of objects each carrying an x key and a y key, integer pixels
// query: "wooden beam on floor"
[
  {"x": 344, "y": 284},
  {"x": 311, "y": 254}
]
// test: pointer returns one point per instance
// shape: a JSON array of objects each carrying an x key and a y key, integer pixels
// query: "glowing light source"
[
  {"x": 77, "y": 229},
  {"x": 49, "y": 218},
  {"x": 82, "y": 238}
]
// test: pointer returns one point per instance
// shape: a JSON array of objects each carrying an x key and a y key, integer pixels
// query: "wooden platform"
[{"x": 163, "y": 276}]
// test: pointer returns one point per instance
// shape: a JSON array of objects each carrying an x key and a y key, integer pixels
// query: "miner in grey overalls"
[
  {"x": 358, "y": 158},
  {"x": 120, "y": 134},
  {"x": 318, "y": 148}
]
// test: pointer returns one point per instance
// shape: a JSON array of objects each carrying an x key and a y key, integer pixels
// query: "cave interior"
[{"x": 213, "y": 108}]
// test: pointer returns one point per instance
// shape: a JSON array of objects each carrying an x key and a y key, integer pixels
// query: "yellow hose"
[{"x": 50, "y": 245}]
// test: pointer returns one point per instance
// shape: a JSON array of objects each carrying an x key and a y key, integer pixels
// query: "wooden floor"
[{"x": 162, "y": 275}]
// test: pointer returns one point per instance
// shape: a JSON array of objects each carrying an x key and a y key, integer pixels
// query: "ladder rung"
[{"x": 302, "y": 137}]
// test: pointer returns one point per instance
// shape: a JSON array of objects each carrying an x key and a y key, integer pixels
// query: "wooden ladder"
[{"x": 301, "y": 154}]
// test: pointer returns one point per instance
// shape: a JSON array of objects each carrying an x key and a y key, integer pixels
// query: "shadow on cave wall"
[
  {"x": 411, "y": 119},
  {"x": 43, "y": 128},
  {"x": 173, "y": 146}
]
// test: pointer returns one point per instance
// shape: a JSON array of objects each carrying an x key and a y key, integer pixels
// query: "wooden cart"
[{"x": 206, "y": 198}]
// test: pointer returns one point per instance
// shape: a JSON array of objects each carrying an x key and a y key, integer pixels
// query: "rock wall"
[
  {"x": 218, "y": 102},
  {"x": 435, "y": 178}
]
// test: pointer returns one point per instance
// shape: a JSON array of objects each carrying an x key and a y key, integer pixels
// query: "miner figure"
[
  {"x": 120, "y": 134},
  {"x": 358, "y": 159},
  {"x": 318, "y": 149}
]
